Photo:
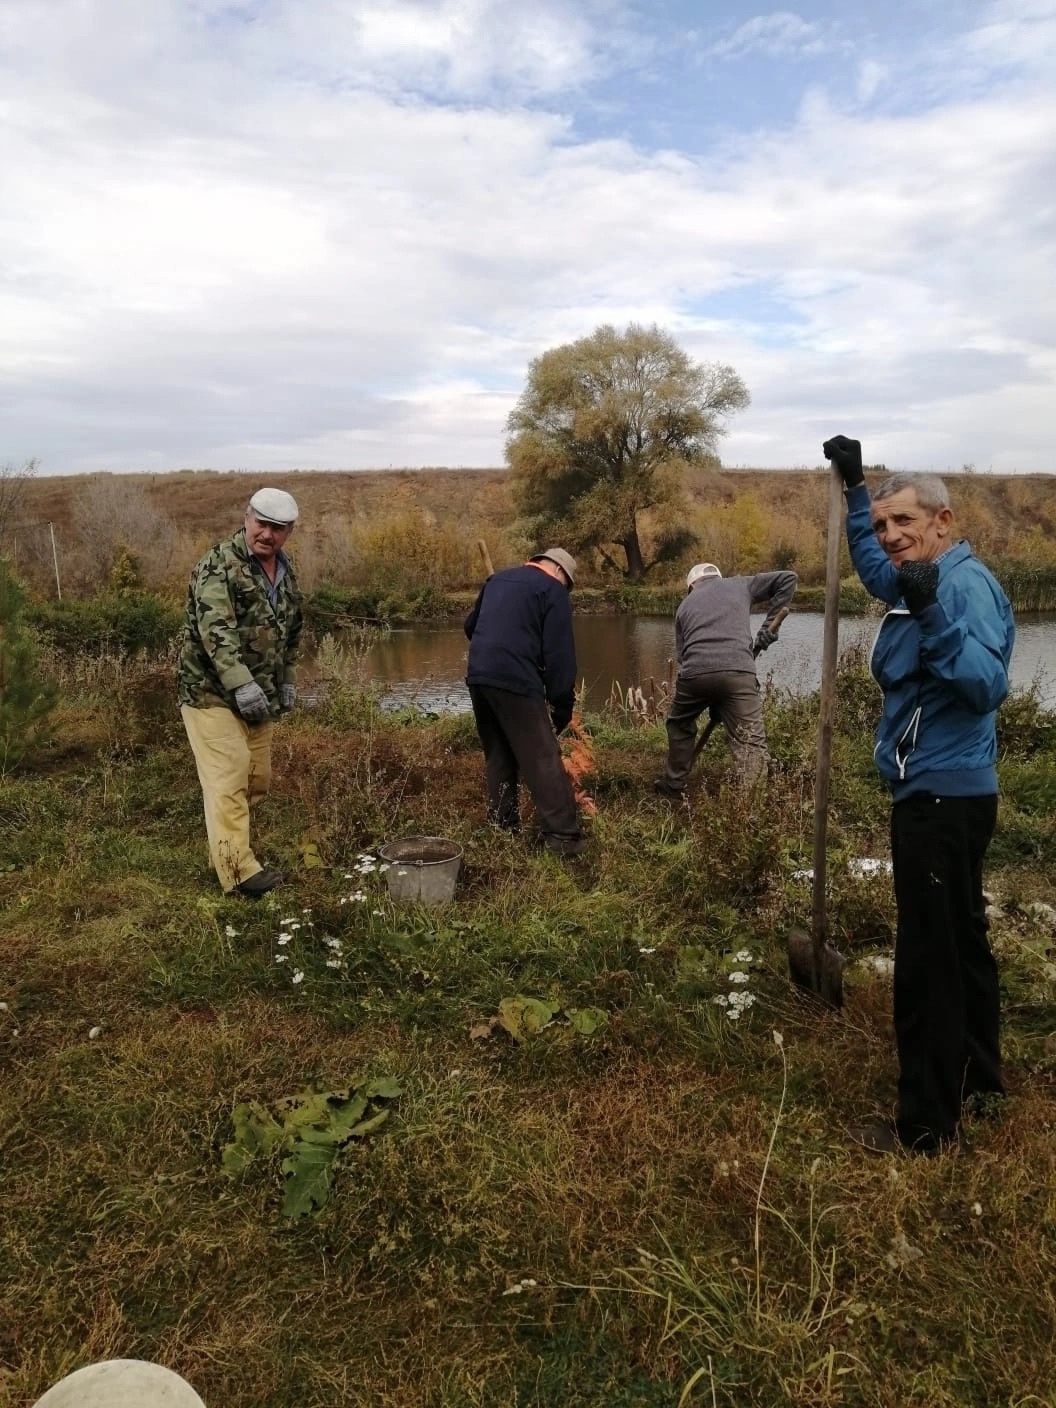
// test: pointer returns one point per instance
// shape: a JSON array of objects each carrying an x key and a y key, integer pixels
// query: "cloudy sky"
[{"x": 333, "y": 233}]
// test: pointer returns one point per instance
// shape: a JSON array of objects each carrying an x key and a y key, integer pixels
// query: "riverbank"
[{"x": 605, "y": 1212}]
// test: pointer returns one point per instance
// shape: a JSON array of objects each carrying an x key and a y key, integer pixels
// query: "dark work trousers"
[
  {"x": 947, "y": 998},
  {"x": 734, "y": 696},
  {"x": 520, "y": 745}
]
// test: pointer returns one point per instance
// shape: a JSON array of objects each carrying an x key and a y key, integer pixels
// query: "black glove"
[
  {"x": 919, "y": 584},
  {"x": 764, "y": 639},
  {"x": 846, "y": 455},
  {"x": 560, "y": 721}
]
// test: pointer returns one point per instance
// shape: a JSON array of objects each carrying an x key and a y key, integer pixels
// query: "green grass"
[{"x": 622, "y": 1173}]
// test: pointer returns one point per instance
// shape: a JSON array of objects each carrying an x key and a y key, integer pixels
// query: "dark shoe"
[
  {"x": 259, "y": 884},
  {"x": 565, "y": 846},
  {"x": 663, "y": 788},
  {"x": 882, "y": 1137},
  {"x": 876, "y": 1137}
]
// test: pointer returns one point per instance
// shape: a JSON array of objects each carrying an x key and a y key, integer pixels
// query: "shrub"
[
  {"x": 138, "y": 621},
  {"x": 25, "y": 699}
]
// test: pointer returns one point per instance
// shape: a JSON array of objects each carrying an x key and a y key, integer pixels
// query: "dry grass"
[{"x": 621, "y": 1173}]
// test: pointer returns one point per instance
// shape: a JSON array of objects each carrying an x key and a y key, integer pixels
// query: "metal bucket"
[{"x": 422, "y": 869}]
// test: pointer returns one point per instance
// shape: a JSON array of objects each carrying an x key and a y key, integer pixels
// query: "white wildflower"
[
  {"x": 333, "y": 963},
  {"x": 779, "y": 1039},
  {"x": 743, "y": 956},
  {"x": 738, "y": 977},
  {"x": 95, "y": 1032},
  {"x": 720, "y": 999},
  {"x": 285, "y": 938},
  {"x": 977, "y": 1209},
  {"x": 646, "y": 951},
  {"x": 331, "y": 942},
  {"x": 282, "y": 958},
  {"x": 298, "y": 977},
  {"x": 734, "y": 1014},
  {"x": 358, "y": 896},
  {"x": 383, "y": 867},
  {"x": 379, "y": 913},
  {"x": 456, "y": 1072},
  {"x": 230, "y": 931}
]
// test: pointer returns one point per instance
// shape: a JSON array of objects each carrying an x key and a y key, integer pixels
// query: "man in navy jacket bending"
[
  {"x": 522, "y": 681},
  {"x": 941, "y": 658}
]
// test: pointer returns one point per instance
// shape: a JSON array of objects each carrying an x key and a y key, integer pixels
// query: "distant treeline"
[{"x": 397, "y": 544}]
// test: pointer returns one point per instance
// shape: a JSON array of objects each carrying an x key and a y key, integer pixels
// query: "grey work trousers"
[
  {"x": 519, "y": 745},
  {"x": 734, "y": 697}
]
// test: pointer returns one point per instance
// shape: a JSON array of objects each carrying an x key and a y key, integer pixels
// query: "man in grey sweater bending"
[{"x": 716, "y": 667}]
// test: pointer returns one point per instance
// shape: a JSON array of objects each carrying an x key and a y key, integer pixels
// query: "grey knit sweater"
[{"x": 712, "y": 627}]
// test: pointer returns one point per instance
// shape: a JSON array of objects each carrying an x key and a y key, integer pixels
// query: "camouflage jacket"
[{"x": 233, "y": 635}]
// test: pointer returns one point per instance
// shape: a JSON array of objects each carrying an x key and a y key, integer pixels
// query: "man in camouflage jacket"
[{"x": 237, "y": 674}]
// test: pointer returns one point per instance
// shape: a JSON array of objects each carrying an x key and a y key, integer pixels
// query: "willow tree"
[{"x": 604, "y": 433}]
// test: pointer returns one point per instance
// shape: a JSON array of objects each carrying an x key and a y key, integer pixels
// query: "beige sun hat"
[
  {"x": 121, "y": 1383},
  {"x": 564, "y": 560},
  {"x": 701, "y": 572}
]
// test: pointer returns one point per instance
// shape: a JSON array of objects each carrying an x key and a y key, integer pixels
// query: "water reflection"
[{"x": 427, "y": 666}]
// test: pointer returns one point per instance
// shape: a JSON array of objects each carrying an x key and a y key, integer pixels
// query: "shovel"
[{"x": 813, "y": 963}]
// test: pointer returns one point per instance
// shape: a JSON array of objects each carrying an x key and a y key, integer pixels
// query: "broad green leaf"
[
  {"x": 256, "y": 1132},
  {"x": 522, "y": 1017},
  {"x": 384, "y": 1088},
  {"x": 369, "y": 1126},
  {"x": 309, "y": 853},
  {"x": 586, "y": 1020},
  {"x": 308, "y": 1169},
  {"x": 344, "y": 1116}
]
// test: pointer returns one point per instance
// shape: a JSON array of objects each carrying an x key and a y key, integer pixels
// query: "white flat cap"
[
  {"x": 274, "y": 506},
  {"x": 121, "y": 1383},
  {"x": 701, "y": 572}
]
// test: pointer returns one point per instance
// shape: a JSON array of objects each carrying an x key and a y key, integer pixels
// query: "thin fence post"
[{"x": 55, "y": 560}]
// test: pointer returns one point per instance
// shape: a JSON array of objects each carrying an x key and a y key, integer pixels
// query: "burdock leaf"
[
  {"x": 384, "y": 1088},
  {"x": 308, "y": 1170},
  {"x": 586, "y": 1020},
  {"x": 309, "y": 852},
  {"x": 523, "y": 1017},
  {"x": 256, "y": 1132},
  {"x": 369, "y": 1126}
]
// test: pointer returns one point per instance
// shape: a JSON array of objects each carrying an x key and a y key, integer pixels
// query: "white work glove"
[
  {"x": 252, "y": 703},
  {"x": 289, "y": 697}
]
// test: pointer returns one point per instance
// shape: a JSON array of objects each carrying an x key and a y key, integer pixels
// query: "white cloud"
[
  {"x": 781, "y": 33},
  {"x": 219, "y": 251}
]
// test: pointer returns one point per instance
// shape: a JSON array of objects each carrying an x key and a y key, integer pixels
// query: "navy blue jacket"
[
  {"x": 943, "y": 672},
  {"x": 520, "y": 638}
]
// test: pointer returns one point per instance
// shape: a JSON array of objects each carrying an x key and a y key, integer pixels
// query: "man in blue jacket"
[
  {"x": 522, "y": 681},
  {"x": 941, "y": 658}
]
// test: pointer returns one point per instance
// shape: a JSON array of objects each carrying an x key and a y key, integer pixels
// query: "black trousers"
[
  {"x": 519, "y": 744},
  {"x": 947, "y": 998}
]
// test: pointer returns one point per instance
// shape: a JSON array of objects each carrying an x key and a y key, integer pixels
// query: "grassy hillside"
[{"x": 403, "y": 529}]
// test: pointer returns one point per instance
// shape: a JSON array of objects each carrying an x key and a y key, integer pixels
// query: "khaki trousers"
[{"x": 234, "y": 768}]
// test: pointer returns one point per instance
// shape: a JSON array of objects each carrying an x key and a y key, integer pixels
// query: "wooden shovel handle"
[
  {"x": 830, "y": 639},
  {"x": 485, "y": 557}
]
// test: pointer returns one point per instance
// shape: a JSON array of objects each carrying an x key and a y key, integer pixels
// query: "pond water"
[{"x": 427, "y": 666}]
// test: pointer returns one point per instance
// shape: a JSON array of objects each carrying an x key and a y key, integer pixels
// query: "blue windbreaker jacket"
[{"x": 943, "y": 673}]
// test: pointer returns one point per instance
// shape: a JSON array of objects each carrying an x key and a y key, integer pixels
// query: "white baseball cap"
[
  {"x": 701, "y": 572},
  {"x": 121, "y": 1383},
  {"x": 274, "y": 506}
]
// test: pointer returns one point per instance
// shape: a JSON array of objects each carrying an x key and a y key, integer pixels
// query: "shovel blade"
[{"x": 819, "y": 972}]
